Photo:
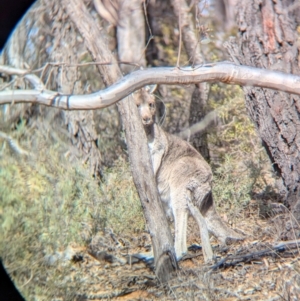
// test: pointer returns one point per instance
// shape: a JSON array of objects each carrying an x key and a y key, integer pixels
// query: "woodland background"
[{"x": 66, "y": 231}]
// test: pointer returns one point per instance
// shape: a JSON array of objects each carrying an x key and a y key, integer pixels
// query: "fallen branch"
[
  {"x": 275, "y": 251},
  {"x": 228, "y": 73},
  {"x": 14, "y": 145}
]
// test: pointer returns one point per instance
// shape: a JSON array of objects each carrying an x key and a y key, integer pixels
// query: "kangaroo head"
[{"x": 145, "y": 101}]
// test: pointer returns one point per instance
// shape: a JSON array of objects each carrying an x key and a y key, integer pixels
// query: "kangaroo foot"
[{"x": 220, "y": 230}]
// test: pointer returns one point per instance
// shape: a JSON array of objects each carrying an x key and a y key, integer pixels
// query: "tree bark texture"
[
  {"x": 198, "y": 107},
  {"x": 131, "y": 34},
  {"x": 268, "y": 39},
  {"x": 46, "y": 35},
  {"x": 162, "y": 241}
]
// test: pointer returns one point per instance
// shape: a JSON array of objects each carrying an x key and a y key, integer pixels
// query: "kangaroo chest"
[{"x": 158, "y": 151}]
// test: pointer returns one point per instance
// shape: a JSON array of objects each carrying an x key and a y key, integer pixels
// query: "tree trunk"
[
  {"x": 198, "y": 107},
  {"x": 80, "y": 124},
  {"x": 162, "y": 241},
  {"x": 268, "y": 39},
  {"x": 131, "y": 35},
  {"x": 198, "y": 111}
]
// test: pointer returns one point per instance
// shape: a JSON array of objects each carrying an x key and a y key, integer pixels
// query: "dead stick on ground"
[{"x": 272, "y": 251}]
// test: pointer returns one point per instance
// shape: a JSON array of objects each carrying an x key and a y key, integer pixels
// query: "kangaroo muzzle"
[{"x": 147, "y": 117}]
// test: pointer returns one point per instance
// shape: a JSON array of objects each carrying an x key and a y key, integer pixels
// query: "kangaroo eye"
[{"x": 151, "y": 105}]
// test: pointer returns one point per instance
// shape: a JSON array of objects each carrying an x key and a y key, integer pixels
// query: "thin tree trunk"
[
  {"x": 81, "y": 126},
  {"x": 165, "y": 262},
  {"x": 268, "y": 39},
  {"x": 198, "y": 111},
  {"x": 198, "y": 107},
  {"x": 131, "y": 34}
]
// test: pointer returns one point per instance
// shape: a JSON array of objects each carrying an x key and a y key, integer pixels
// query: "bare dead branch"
[
  {"x": 14, "y": 144},
  {"x": 187, "y": 32},
  {"x": 108, "y": 10},
  {"x": 150, "y": 38},
  {"x": 12, "y": 71},
  {"x": 180, "y": 40},
  {"x": 200, "y": 126},
  {"x": 274, "y": 251},
  {"x": 35, "y": 81},
  {"x": 224, "y": 72},
  {"x": 32, "y": 78},
  {"x": 58, "y": 64}
]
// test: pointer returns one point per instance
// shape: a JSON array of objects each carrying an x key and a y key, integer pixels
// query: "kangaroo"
[{"x": 184, "y": 181}]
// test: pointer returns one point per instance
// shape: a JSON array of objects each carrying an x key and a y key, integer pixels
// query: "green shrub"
[{"x": 48, "y": 203}]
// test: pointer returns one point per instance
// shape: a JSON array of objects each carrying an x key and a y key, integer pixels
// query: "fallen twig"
[
  {"x": 274, "y": 251},
  {"x": 13, "y": 144}
]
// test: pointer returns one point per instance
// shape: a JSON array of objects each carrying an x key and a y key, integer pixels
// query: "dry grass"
[
  {"x": 52, "y": 211},
  {"x": 49, "y": 205}
]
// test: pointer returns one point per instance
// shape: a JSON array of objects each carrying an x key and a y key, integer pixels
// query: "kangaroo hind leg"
[
  {"x": 195, "y": 201},
  {"x": 215, "y": 225}
]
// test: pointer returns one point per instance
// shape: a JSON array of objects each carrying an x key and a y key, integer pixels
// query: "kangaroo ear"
[{"x": 151, "y": 88}]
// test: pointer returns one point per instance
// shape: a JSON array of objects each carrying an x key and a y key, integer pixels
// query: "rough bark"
[
  {"x": 131, "y": 34},
  {"x": 165, "y": 262},
  {"x": 81, "y": 126},
  {"x": 268, "y": 39},
  {"x": 198, "y": 107}
]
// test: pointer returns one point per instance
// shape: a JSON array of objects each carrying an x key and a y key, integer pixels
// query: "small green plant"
[
  {"x": 122, "y": 210},
  {"x": 239, "y": 161},
  {"x": 232, "y": 187}
]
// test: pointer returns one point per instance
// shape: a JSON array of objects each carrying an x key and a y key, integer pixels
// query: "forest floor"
[
  {"x": 110, "y": 273},
  {"x": 66, "y": 237}
]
